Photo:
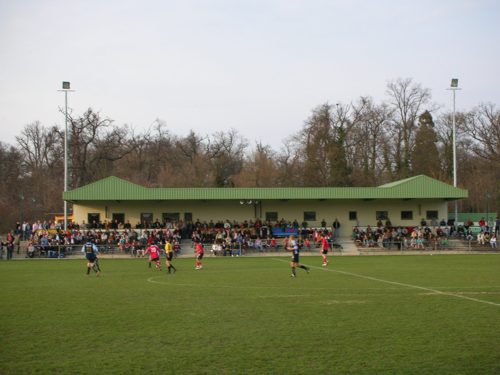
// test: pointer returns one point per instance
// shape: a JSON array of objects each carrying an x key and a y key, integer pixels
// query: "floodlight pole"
[
  {"x": 454, "y": 87},
  {"x": 454, "y": 157},
  {"x": 66, "y": 158},
  {"x": 65, "y": 89}
]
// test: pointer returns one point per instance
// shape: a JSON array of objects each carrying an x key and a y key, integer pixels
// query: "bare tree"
[
  {"x": 406, "y": 101},
  {"x": 289, "y": 163},
  {"x": 444, "y": 130},
  {"x": 362, "y": 143},
  {"x": 370, "y": 142},
  {"x": 40, "y": 146},
  {"x": 113, "y": 146},
  {"x": 83, "y": 133},
  {"x": 483, "y": 126},
  {"x": 324, "y": 144},
  {"x": 316, "y": 142},
  {"x": 259, "y": 168},
  {"x": 41, "y": 162},
  {"x": 226, "y": 151},
  {"x": 94, "y": 143},
  {"x": 192, "y": 157},
  {"x": 11, "y": 177}
]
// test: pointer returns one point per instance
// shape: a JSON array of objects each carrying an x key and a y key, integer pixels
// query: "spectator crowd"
[
  {"x": 432, "y": 235},
  {"x": 223, "y": 237},
  {"x": 49, "y": 239}
]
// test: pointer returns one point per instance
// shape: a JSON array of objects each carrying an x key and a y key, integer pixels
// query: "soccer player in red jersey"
[
  {"x": 325, "y": 246},
  {"x": 154, "y": 256},
  {"x": 198, "y": 250}
]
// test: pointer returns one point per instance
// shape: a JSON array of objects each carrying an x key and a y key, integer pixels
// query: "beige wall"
[{"x": 289, "y": 210}]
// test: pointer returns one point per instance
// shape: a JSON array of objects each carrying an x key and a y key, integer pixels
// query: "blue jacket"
[{"x": 90, "y": 247}]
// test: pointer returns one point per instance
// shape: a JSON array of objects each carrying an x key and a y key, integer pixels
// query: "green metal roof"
[
  {"x": 401, "y": 182},
  {"x": 114, "y": 188}
]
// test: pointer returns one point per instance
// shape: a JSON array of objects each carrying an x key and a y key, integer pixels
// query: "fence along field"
[{"x": 362, "y": 315}]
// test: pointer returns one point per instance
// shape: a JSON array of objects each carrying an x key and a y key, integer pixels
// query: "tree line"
[{"x": 362, "y": 143}]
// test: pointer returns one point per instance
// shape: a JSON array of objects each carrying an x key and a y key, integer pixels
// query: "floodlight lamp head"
[
  {"x": 66, "y": 85},
  {"x": 454, "y": 82}
]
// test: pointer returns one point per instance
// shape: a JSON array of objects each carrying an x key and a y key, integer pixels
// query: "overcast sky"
[{"x": 257, "y": 66}]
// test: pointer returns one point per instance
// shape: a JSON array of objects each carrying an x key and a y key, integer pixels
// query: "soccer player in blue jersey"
[
  {"x": 90, "y": 250},
  {"x": 293, "y": 246}
]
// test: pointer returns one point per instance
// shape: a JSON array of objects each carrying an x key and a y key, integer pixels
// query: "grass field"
[{"x": 361, "y": 315}]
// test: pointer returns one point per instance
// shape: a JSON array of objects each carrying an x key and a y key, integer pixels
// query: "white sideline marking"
[
  {"x": 401, "y": 284},
  {"x": 481, "y": 293},
  {"x": 467, "y": 287}
]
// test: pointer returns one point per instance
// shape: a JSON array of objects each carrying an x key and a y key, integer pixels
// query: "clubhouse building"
[{"x": 404, "y": 202}]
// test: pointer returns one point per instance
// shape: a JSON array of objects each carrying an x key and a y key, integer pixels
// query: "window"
[
  {"x": 188, "y": 217},
  {"x": 93, "y": 219},
  {"x": 406, "y": 215},
  {"x": 271, "y": 216},
  {"x": 118, "y": 218},
  {"x": 381, "y": 215},
  {"x": 171, "y": 216},
  {"x": 353, "y": 215},
  {"x": 146, "y": 218},
  {"x": 431, "y": 215},
  {"x": 309, "y": 216}
]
